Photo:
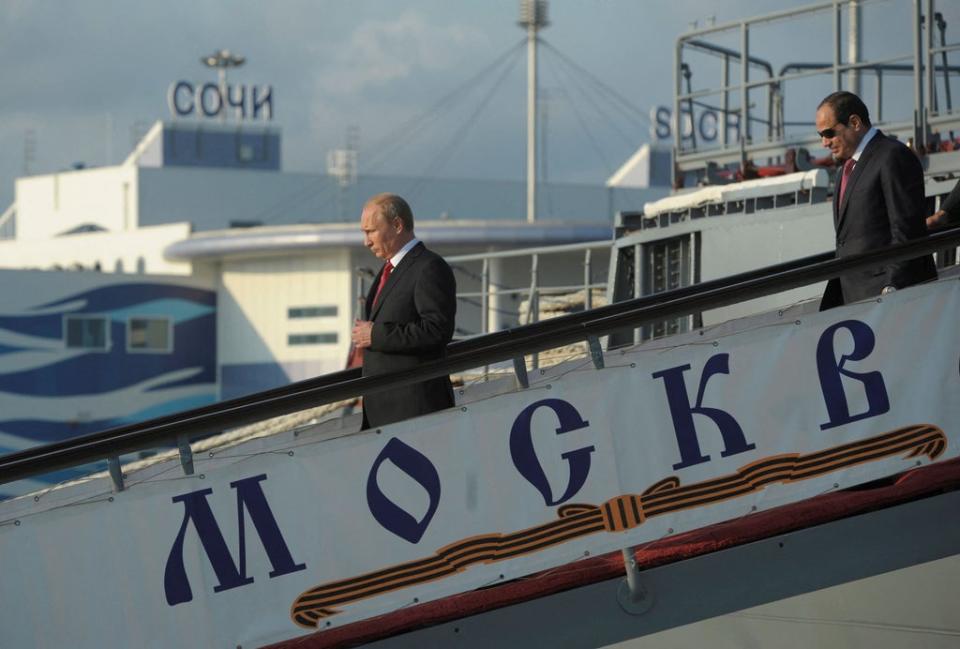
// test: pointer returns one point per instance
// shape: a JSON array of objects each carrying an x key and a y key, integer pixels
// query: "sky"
[{"x": 79, "y": 80}]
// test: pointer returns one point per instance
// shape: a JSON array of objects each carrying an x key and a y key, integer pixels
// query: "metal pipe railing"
[
  {"x": 919, "y": 62},
  {"x": 559, "y": 289},
  {"x": 728, "y": 53},
  {"x": 476, "y": 352},
  {"x": 526, "y": 252},
  {"x": 759, "y": 20},
  {"x": 490, "y": 291}
]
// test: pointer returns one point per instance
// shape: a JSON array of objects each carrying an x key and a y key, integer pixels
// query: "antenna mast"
[
  {"x": 220, "y": 61},
  {"x": 533, "y": 16}
]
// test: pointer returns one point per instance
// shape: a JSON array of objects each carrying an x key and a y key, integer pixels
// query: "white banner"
[{"x": 278, "y": 537}]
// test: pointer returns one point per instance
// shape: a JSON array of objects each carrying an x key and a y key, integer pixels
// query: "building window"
[
  {"x": 149, "y": 335},
  {"x": 312, "y": 339},
  {"x": 670, "y": 264},
  {"x": 312, "y": 311},
  {"x": 86, "y": 332}
]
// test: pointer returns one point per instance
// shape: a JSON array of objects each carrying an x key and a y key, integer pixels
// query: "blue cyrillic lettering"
[
  {"x": 265, "y": 102},
  {"x": 239, "y": 103},
  {"x": 210, "y": 90},
  {"x": 682, "y": 413},
  {"x": 173, "y": 98},
  {"x": 390, "y": 515},
  {"x": 830, "y": 370},
  {"x": 525, "y": 457},
  {"x": 229, "y": 573}
]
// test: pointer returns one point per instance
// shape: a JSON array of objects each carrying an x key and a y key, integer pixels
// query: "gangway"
[{"x": 546, "y": 474}]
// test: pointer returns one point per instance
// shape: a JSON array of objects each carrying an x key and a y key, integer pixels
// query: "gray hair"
[{"x": 394, "y": 207}]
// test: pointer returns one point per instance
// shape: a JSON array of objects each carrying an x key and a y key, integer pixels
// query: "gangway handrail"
[{"x": 462, "y": 355}]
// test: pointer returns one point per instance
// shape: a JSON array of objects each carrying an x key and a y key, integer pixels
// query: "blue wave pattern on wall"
[
  {"x": 102, "y": 301},
  {"x": 108, "y": 298},
  {"x": 44, "y": 431},
  {"x": 98, "y": 372},
  {"x": 113, "y": 369},
  {"x": 7, "y": 349},
  {"x": 40, "y": 326},
  {"x": 136, "y": 378}
]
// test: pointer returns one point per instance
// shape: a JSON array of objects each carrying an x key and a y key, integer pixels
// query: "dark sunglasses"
[{"x": 830, "y": 132}]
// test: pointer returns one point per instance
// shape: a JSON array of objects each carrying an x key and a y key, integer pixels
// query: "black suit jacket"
[
  {"x": 413, "y": 320},
  {"x": 883, "y": 204}
]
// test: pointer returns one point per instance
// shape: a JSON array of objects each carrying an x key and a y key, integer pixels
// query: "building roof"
[{"x": 275, "y": 239}]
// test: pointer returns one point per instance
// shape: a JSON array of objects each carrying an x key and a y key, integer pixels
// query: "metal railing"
[
  {"x": 505, "y": 345},
  {"x": 921, "y": 62},
  {"x": 493, "y": 287}
]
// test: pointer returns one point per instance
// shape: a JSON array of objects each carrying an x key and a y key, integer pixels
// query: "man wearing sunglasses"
[{"x": 878, "y": 200}]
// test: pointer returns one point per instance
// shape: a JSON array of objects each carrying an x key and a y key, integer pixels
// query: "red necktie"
[
  {"x": 384, "y": 276},
  {"x": 847, "y": 170}
]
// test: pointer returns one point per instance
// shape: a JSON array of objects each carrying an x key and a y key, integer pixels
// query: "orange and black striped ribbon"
[{"x": 615, "y": 515}]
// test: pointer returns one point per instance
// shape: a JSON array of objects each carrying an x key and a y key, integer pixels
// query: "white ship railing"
[{"x": 929, "y": 116}]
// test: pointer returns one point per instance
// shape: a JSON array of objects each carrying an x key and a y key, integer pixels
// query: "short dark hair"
[
  {"x": 394, "y": 207},
  {"x": 845, "y": 104}
]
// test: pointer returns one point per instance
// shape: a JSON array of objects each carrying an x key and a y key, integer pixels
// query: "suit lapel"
[
  {"x": 866, "y": 157},
  {"x": 408, "y": 260}
]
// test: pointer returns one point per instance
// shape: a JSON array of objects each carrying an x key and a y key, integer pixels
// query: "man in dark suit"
[
  {"x": 878, "y": 200},
  {"x": 408, "y": 315}
]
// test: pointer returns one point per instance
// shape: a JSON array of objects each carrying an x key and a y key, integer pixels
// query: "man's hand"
[
  {"x": 360, "y": 335},
  {"x": 936, "y": 219}
]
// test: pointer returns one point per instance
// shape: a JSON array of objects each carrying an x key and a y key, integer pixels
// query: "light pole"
[
  {"x": 221, "y": 60},
  {"x": 533, "y": 16},
  {"x": 854, "y": 38}
]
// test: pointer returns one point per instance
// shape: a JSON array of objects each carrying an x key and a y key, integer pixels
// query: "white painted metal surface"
[{"x": 717, "y": 194}]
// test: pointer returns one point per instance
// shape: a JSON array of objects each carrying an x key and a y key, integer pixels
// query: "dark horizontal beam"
[{"x": 476, "y": 352}]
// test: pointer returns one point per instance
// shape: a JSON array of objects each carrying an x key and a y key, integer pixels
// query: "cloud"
[
  {"x": 383, "y": 71},
  {"x": 384, "y": 51}
]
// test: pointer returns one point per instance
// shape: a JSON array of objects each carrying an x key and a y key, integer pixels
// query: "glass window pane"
[
  {"x": 86, "y": 332},
  {"x": 150, "y": 334},
  {"x": 312, "y": 339},
  {"x": 328, "y": 311}
]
